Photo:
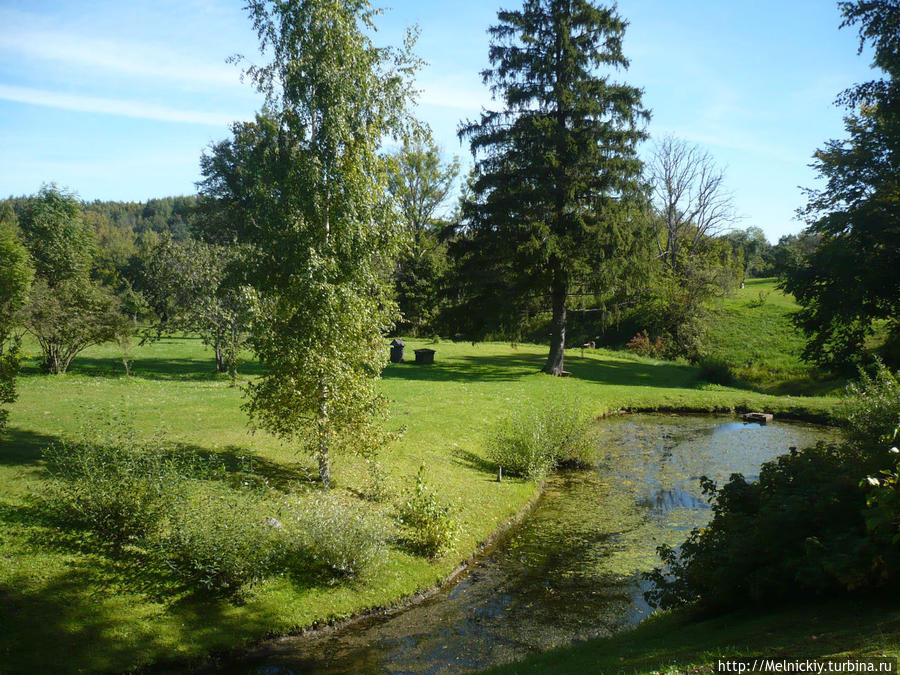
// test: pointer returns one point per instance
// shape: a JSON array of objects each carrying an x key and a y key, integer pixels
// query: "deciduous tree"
[
  {"x": 851, "y": 279},
  {"x": 304, "y": 186}
]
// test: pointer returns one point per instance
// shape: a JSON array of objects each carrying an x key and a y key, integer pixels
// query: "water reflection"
[{"x": 571, "y": 570}]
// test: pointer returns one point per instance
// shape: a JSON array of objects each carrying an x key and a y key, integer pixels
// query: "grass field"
[{"x": 65, "y": 600}]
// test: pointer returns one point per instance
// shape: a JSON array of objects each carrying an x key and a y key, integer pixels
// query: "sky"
[{"x": 117, "y": 100}]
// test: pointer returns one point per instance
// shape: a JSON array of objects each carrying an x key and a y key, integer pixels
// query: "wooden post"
[{"x": 499, "y": 474}]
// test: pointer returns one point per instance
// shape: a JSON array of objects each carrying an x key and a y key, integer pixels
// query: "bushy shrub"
[
  {"x": 532, "y": 443},
  {"x": 715, "y": 370},
  {"x": 817, "y": 522},
  {"x": 116, "y": 487},
  {"x": 870, "y": 410},
  {"x": 330, "y": 534},
  {"x": 431, "y": 528},
  {"x": 220, "y": 541},
  {"x": 642, "y": 345}
]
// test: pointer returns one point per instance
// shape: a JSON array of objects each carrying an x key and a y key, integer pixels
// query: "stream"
[{"x": 571, "y": 570}]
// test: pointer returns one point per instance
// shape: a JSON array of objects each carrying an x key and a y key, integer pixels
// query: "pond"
[{"x": 571, "y": 570}]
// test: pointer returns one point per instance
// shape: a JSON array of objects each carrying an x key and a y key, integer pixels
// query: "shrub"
[
  {"x": 816, "y": 522},
  {"x": 715, "y": 370},
  {"x": 329, "y": 534},
  {"x": 642, "y": 345},
  {"x": 220, "y": 541},
  {"x": 531, "y": 444},
  {"x": 431, "y": 527},
  {"x": 799, "y": 531},
  {"x": 114, "y": 487},
  {"x": 870, "y": 410}
]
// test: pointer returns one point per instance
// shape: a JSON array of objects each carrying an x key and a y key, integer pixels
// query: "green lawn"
[{"x": 64, "y": 600}]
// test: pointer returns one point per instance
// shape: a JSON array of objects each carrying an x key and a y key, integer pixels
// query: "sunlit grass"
[{"x": 65, "y": 600}]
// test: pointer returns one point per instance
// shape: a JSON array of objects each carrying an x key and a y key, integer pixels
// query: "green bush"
[
  {"x": 221, "y": 540},
  {"x": 327, "y": 533},
  {"x": 715, "y": 370},
  {"x": 818, "y": 522},
  {"x": 531, "y": 444},
  {"x": 870, "y": 410},
  {"x": 430, "y": 524},
  {"x": 115, "y": 487}
]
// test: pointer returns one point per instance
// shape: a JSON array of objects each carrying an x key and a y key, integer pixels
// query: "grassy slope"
[
  {"x": 753, "y": 332},
  {"x": 64, "y": 601}
]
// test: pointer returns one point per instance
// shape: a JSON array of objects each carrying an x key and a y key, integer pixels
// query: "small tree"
[
  {"x": 68, "y": 311},
  {"x": 16, "y": 274},
  {"x": 421, "y": 183},
  {"x": 192, "y": 287},
  {"x": 303, "y": 186}
]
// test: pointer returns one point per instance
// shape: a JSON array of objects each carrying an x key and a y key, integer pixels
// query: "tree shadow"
[
  {"x": 470, "y": 460},
  {"x": 22, "y": 447},
  {"x": 512, "y": 367}
]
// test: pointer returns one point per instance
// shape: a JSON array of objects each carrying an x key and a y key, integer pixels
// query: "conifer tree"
[{"x": 556, "y": 171}]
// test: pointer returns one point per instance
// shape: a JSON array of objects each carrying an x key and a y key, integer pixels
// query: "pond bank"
[{"x": 529, "y": 593}]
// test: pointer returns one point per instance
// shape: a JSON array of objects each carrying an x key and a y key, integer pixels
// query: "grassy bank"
[
  {"x": 66, "y": 600},
  {"x": 680, "y": 643}
]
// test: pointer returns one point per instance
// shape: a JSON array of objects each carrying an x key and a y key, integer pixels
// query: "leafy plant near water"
[
  {"x": 222, "y": 540},
  {"x": 328, "y": 533},
  {"x": 431, "y": 526},
  {"x": 532, "y": 443},
  {"x": 817, "y": 522}
]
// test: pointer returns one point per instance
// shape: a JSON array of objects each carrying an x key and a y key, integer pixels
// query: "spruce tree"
[{"x": 556, "y": 170}]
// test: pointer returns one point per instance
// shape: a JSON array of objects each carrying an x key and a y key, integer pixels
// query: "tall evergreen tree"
[
  {"x": 850, "y": 279},
  {"x": 556, "y": 169}
]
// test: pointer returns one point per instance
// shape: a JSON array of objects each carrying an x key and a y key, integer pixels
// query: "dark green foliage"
[
  {"x": 430, "y": 526},
  {"x": 817, "y": 522},
  {"x": 798, "y": 532},
  {"x": 715, "y": 370},
  {"x": 16, "y": 274},
  {"x": 851, "y": 279},
  {"x": 753, "y": 249},
  {"x": 551, "y": 214}
]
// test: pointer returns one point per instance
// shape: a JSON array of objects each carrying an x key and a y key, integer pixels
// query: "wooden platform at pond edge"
[{"x": 758, "y": 417}]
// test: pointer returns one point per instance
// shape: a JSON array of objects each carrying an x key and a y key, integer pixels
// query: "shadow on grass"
[
  {"x": 511, "y": 367},
  {"x": 157, "y": 368},
  {"x": 21, "y": 447}
]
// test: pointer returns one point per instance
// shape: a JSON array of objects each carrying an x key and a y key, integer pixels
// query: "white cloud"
[
  {"x": 108, "y": 106},
  {"x": 454, "y": 92},
  {"x": 161, "y": 62}
]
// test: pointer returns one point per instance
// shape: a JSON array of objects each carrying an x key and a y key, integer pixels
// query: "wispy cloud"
[
  {"x": 161, "y": 62},
  {"x": 109, "y": 106},
  {"x": 454, "y": 92}
]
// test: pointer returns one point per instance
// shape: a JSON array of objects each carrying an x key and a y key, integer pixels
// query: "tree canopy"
[
  {"x": 556, "y": 170},
  {"x": 850, "y": 280}
]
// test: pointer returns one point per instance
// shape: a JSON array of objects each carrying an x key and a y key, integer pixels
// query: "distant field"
[
  {"x": 63, "y": 599},
  {"x": 753, "y": 332}
]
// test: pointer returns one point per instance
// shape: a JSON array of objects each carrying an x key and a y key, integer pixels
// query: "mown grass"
[
  {"x": 67, "y": 604},
  {"x": 681, "y": 643},
  {"x": 754, "y": 334}
]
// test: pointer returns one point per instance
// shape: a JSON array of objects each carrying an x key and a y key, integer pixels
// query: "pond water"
[{"x": 571, "y": 570}]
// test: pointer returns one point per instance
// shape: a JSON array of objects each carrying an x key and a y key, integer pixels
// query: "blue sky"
[{"x": 116, "y": 100}]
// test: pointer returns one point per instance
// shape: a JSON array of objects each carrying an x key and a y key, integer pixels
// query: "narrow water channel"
[{"x": 571, "y": 570}]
